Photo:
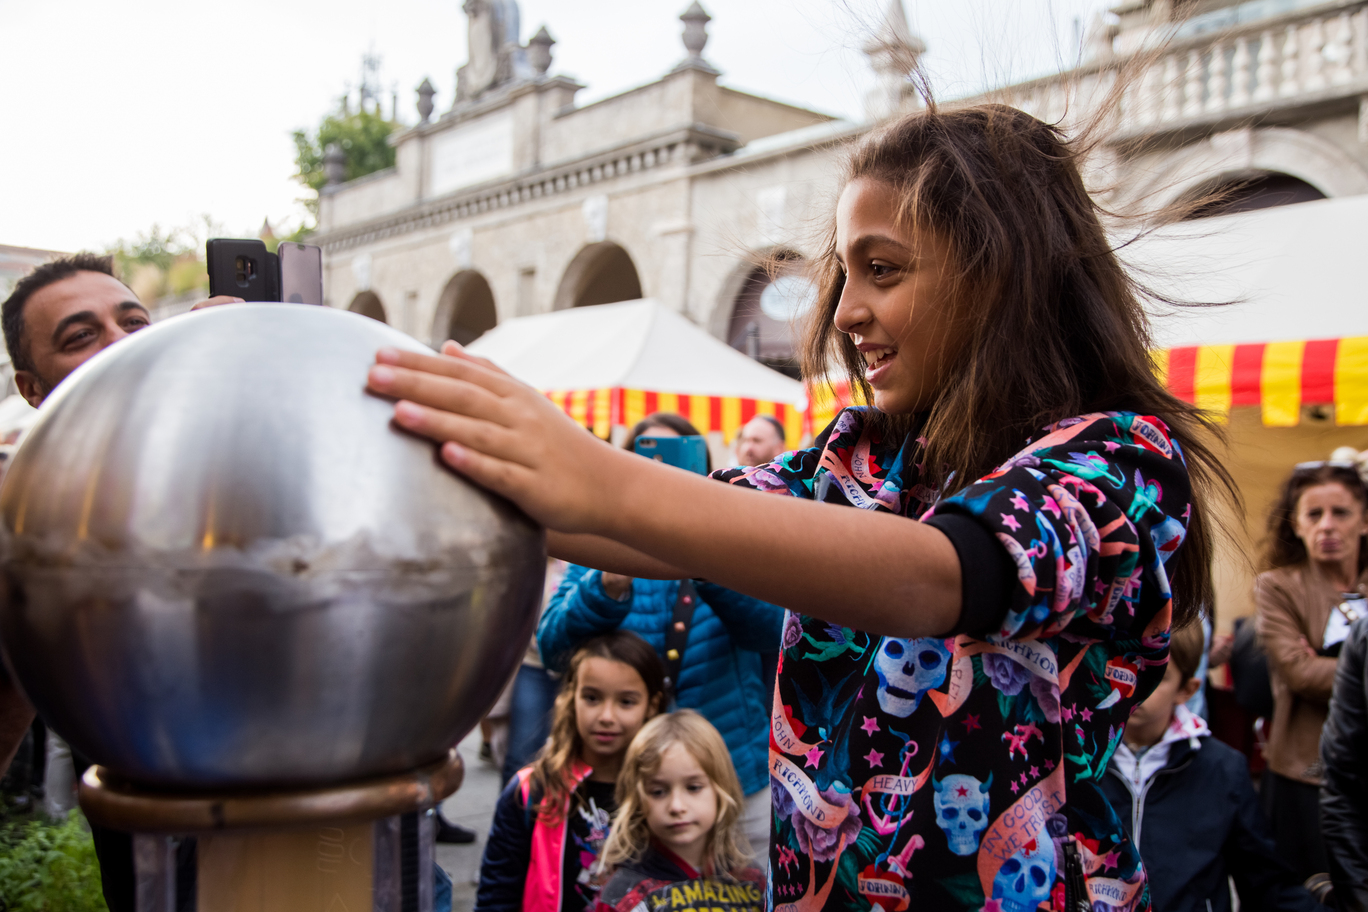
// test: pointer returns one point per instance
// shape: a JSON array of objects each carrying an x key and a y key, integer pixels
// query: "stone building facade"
[{"x": 516, "y": 201}]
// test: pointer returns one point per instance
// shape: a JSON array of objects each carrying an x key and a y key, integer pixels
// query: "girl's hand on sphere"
[{"x": 501, "y": 434}]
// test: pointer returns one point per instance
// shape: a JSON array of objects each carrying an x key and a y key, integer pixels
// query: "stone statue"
[{"x": 495, "y": 54}]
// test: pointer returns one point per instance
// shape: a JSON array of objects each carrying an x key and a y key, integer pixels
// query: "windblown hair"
[
  {"x": 727, "y": 848},
  {"x": 12, "y": 311},
  {"x": 1047, "y": 324},
  {"x": 1283, "y": 548},
  {"x": 551, "y": 768}
]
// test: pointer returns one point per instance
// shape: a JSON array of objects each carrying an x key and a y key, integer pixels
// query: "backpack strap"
[{"x": 677, "y": 634}]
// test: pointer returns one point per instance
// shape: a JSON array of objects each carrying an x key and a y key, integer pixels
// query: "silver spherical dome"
[{"x": 225, "y": 567}]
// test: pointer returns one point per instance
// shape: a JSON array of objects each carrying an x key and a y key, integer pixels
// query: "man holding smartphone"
[
  {"x": 63, "y": 313},
  {"x": 58, "y": 317}
]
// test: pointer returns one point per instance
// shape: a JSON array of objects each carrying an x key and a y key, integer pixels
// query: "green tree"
[
  {"x": 363, "y": 138},
  {"x": 154, "y": 248}
]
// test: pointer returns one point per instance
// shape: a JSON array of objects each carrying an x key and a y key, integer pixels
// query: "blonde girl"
[
  {"x": 553, "y": 816},
  {"x": 677, "y": 831}
]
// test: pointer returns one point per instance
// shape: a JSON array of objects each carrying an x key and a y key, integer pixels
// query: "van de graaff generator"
[{"x": 264, "y": 612}]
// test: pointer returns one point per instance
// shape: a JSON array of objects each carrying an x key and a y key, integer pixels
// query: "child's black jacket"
[{"x": 1201, "y": 823}]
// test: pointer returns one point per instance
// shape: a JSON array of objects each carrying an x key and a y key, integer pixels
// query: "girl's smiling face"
[
  {"x": 611, "y": 705},
  {"x": 896, "y": 303}
]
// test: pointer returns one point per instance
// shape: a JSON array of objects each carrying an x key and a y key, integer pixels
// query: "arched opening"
[
  {"x": 367, "y": 304},
  {"x": 599, "y": 274},
  {"x": 767, "y": 311},
  {"x": 466, "y": 309},
  {"x": 1245, "y": 193}
]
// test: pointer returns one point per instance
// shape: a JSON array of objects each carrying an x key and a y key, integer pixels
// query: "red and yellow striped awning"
[
  {"x": 1279, "y": 377},
  {"x": 602, "y": 409}
]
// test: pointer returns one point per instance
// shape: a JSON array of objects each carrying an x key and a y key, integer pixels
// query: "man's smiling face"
[{"x": 68, "y": 322}]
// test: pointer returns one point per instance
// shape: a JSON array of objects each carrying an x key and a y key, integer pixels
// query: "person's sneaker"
[
  {"x": 452, "y": 834},
  {"x": 486, "y": 752}
]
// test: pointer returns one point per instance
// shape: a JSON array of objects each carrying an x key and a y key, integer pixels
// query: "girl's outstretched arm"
[
  {"x": 871, "y": 571},
  {"x": 605, "y": 554}
]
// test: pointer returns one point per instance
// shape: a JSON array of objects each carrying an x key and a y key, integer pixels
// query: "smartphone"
[
  {"x": 301, "y": 273},
  {"x": 242, "y": 268},
  {"x": 690, "y": 452}
]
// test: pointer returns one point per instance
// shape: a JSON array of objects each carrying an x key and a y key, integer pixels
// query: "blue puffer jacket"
[{"x": 720, "y": 676}]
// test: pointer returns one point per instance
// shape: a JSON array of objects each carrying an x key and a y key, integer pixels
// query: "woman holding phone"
[{"x": 962, "y": 650}]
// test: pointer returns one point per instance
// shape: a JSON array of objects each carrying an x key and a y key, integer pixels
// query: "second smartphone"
[{"x": 301, "y": 273}]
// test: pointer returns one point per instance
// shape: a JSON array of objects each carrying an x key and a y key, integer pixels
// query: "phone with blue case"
[{"x": 689, "y": 453}]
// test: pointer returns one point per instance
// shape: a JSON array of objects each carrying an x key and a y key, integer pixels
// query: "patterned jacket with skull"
[{"x": 963, "y": 772}]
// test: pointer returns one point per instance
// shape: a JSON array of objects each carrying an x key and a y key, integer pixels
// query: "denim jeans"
[{"x": 529, "y": 717}]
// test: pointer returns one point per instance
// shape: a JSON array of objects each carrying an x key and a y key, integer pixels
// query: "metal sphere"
[{"x": 225, "y": 567}]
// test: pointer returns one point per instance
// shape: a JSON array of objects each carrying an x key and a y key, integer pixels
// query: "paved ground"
[{"x": 472, "y": 807}]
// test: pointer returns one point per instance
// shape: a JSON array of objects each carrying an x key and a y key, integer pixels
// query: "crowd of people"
[{"x": 978, "y": 692}]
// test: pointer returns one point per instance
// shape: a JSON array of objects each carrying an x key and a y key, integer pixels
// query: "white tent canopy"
[
  {"x": 1295, "y": 272},
  {"x": 634, "y": 345}
]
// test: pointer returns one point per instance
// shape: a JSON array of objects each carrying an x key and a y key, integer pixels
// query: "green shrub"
[{"x": 49, "y": 866}]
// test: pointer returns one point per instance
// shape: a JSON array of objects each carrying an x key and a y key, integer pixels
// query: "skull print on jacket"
[
  {"x": 961, "y": 804},
  {"x": 907, "y": 669},
  {"x": 954, "y": 773}
]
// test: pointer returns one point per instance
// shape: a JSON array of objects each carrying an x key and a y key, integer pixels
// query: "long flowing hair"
[
  {"x": 551, "y": 768},
  {"x": 1047, "y": 323},
  {"x": 727, "y": 848},
  {"x": 1283, "y": 547}
]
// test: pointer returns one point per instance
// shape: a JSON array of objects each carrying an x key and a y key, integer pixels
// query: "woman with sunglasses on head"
[
  {"x": 1315, "y": 557},
  {"x": 963, "y": 648}
]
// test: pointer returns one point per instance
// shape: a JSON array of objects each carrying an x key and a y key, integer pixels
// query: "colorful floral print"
[{"x": 962, "y": 772}]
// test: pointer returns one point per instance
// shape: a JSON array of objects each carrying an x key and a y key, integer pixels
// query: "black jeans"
[{"x": 1293, "y": 811}]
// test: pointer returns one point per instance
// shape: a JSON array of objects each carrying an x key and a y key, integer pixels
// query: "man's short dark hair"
[
  {"x": 776, "y": 424},
  {"x": 12, "y": 311}
]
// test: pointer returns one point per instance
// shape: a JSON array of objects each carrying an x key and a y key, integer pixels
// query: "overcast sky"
[{"x": 118, "y": 116}]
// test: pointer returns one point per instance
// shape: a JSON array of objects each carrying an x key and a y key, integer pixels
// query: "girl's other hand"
[
  {"x": 616, "y": 586},
  {"x": 1222, "y": 644},
  {"x": 501, "y": 434}
]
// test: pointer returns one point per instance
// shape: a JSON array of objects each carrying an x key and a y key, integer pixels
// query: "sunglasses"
[{"x": 1323, "y": 463}]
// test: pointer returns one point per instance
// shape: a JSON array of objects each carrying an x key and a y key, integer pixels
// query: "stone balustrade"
[
  {"x": 677, "y": 148},
  {"x": 1287, "y": 61}
]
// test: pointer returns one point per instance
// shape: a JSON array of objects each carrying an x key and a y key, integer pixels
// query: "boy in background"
[{"x": 1187, "y": 802}]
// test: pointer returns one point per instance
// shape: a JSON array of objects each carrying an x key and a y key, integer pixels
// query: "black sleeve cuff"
[{"x": 988, "y": 575}]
